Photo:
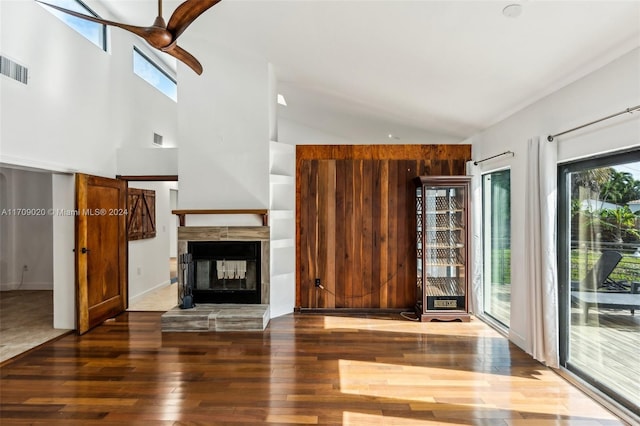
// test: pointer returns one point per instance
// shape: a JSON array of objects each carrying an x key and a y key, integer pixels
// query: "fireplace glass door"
[{"x": 226, "y": 272}]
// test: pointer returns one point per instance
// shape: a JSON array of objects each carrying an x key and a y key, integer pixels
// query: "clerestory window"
[
  {"x": 153, "y": 74},
  {"x": 92, "y": 31}
]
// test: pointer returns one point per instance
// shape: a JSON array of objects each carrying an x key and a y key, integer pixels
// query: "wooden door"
[{"x": 101, "y": 257}]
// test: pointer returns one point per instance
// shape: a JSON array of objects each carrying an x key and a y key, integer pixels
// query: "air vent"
[
  {"x": 13, "y": 70},
  {"x": 157, "y": 139}
]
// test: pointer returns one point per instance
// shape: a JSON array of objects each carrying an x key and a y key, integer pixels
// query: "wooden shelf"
[{"x": 260, "y": 212}]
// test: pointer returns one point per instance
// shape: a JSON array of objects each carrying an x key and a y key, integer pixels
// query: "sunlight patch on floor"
[
  {"x": 475, "y": 328},
  {"x": 445, "y": 392},
  {"x": 350, "y": 418}
]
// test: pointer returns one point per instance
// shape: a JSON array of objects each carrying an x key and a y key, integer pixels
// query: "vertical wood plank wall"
[{"x": 355, "y": 221}]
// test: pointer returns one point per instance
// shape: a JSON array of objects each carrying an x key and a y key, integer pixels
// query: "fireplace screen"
[{"x": 226, "y": 272}]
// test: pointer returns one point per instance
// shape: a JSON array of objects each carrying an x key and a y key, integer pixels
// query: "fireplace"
[
  {"x": 226, "y": 265},
  {"x": 225, "y": 271}
]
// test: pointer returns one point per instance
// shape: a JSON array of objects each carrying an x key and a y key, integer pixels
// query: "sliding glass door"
[
  {"x": 496, "y": 217},
  {"x": 599, "y": 273}
]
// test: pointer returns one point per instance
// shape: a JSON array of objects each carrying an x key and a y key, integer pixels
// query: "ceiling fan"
[{"x": 161, "y": 35}]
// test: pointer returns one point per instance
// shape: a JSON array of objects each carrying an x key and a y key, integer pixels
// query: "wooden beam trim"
[
  {"x": 382, "y": 152},
  {"x": 149, "y": 178}
]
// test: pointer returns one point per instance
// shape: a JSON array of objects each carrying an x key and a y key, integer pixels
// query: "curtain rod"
[
  {"x": 475, "y": 163},
  {"x": 626, "y": 111}
]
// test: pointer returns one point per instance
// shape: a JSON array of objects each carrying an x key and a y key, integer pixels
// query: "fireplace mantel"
[{"x": 184, "y": 212}]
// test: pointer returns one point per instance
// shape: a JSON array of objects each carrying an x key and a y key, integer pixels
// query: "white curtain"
[
  {"x": 540, "y": 250},
  {"x": 477, "y": 285}
]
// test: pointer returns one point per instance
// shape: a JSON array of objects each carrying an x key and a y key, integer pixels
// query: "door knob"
[{"x": 84, "y": 250}]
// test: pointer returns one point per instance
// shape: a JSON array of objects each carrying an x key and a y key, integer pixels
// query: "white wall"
[
  {"x": 610, "y": 89},
  {"x": 147, "y": 161},
  {"x": 149, "y": 258},
  {"x": 175, "y": 222},
  {"x": 223, "y": 119},
  {"x": 80, "y": 102},
  {"x": 26, "y": 252},
  {"x": 295, "y": 133},
  {"x": 64, "y": 286}
]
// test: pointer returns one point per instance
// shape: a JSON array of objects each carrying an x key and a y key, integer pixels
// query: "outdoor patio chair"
[
  {"x": 598, "y": 276},
  {"x": 598, "y": 290}
]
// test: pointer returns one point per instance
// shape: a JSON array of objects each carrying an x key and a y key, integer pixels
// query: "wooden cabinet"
[{"x": 442, "y": 218}]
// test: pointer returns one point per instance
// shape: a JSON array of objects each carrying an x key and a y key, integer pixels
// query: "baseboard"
[
  {"x": 26, "y": 286},
  {"x": 9, "y": 286},
  {"x": 138, "y": 297},
  {"x": 354, "y": 311}
]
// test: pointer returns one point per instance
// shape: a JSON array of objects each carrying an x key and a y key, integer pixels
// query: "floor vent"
[
  {"x": 13, "y": 70},
  {"x": 157, "y": 139}
]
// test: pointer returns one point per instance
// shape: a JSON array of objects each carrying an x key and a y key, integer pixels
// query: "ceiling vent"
[
  {"x": 13, "y": 70},
  {"x": 157, "y": 139}
]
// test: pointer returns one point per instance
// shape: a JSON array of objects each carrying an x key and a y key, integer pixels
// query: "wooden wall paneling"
[
  {"x": 325, "y": 233},
  {"x": 321, "y": 233},
  {"x": 408, "y": 257},
  {"x": 301, "y": 167},
  {"x": 388, "y": 284},
  {"x": 366, "y": 232},
  {"x": 356, "y": 221},
  {"x": 383, "y": 152},
  {"x": 357, "y": 290},
  {"x": 384, "y": 232},
  {"x": 376, "y": 196},
  {"x": 306, "y": 231},
  {"x": 403, "y": 246},
  {"x": 341, "y": 255},
  {"x": 396, "y": 247},
  {"x": 348, "y": 233},
  {"x": 308, "y": 235},
  {"x": 330, "y": 250}
]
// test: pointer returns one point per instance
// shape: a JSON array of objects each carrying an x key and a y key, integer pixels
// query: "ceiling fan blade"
[
  {"x": 139, "y": 31},
  {"x": 186, "y": 57},
  {"x": 186, "y": 13}
]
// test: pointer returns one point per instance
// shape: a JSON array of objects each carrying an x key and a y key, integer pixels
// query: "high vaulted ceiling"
[{"x": 423, "y": 71}]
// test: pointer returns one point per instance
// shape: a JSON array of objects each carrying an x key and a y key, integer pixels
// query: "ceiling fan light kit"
[{"x": 160, "y": 35}]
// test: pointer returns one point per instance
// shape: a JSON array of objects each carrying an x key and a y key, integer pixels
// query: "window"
[
  {"x": 599, "y": 273},
  {"x": 496, "y": 218},
  {"x": 149, "y": 71},
  {"x": 92, "y": 31}
]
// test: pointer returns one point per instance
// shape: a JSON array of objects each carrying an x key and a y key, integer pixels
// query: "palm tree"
[
  {"x": 620, "y": 188},
  {"x": 620, "y": 221},
  {"x": 592, "y": 180}
]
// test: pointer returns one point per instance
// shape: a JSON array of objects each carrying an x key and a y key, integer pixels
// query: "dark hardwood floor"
[{"x": 304, "y": 369}]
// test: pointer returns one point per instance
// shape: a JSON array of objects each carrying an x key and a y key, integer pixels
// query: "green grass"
[
  {"x": 627, "y": 270},
  {"x": 501, "y": 270},
  {"x": 581, "y": 262}
]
